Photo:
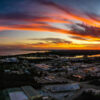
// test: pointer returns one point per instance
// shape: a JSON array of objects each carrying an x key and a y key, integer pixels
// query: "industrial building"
[{"x": 22, "y": 93}]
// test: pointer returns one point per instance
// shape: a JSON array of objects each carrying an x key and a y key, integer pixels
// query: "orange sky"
[{"x": 63, "y": 28}]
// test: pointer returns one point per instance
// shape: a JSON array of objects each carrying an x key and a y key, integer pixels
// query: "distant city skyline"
[{"x": 49, "y": 25}]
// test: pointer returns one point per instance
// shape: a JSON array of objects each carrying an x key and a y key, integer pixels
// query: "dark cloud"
[
  {"x": 93, "y": 16},
  {"x": 78, "y": 38},
  {"x": 15, "y": 16},
  {"x": 88, "y": 30},
  {"x": 52, "y": 40},
  {"x": 19, "y": 19}
]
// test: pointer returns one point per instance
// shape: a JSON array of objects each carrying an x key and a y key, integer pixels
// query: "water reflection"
[
  {"x": 96, "y": 55},
  {"x": 81, "y": 56},
  {"x": 16, "y": 52}
]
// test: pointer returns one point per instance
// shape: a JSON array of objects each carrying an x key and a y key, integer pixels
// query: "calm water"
[
  {"x": 14, "y": 52},
  {"x": 81, "y": 56}
]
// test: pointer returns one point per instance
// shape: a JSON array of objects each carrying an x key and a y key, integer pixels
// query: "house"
[
  {"x": 63, "y": 87},
  {"x": 12, "y": 59},
  {"x": 22, "y": 93}
]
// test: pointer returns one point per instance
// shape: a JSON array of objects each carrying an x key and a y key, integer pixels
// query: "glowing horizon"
[{"x": 49, "y": 25}]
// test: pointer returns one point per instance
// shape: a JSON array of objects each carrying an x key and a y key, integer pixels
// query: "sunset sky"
[{"x": 49, "y": 24}]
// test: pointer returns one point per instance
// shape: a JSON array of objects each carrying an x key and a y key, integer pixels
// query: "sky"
[{"x": 49, "y": 25}]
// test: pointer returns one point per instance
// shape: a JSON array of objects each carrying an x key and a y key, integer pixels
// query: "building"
[
  {"x": 11, "y": 60},
  {"x": 61, "y": 91},
  {"x": 22, "y": 93},
  {"x": 63, "y": 87},
  {"x": 43, "y": 67},
  {"x": 31, "y": 93}
]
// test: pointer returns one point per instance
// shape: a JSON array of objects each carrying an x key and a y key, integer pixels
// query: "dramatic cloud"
[
  {"x": 81, "y": 26},
  {"x": 78, "y": 38},
  {"x": 52, "y": 40},
  {"x": 42, "y": 22}
]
